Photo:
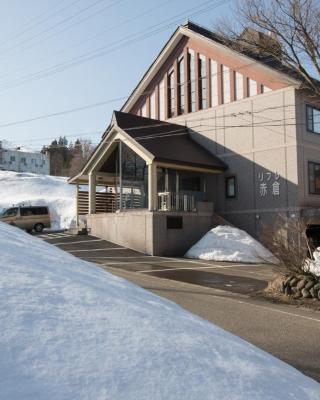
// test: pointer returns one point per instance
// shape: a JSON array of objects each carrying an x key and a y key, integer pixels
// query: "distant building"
[{"x": 21, "y": 160}]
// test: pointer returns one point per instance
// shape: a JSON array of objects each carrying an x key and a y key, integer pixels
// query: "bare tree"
[
  {"x": 286, "y": 31},
  {"x": 289, "y": 242}
]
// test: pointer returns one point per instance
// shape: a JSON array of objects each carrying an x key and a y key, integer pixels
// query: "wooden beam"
[
  {"x": 152, "y": 187},
  {"x": 92, "y": 192}
]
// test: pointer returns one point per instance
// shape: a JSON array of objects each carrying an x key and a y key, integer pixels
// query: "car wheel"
[{"x": 38, "y": 228}]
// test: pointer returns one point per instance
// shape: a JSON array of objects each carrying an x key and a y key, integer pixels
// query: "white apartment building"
[{"x": 20, "y": 160}]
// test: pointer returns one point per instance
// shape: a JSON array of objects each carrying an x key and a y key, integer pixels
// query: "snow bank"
[
  {"x": 24, "y": 188},
  {"x": 313, "y": 266},
  {"x": 227, "y": 243},
  {"x": 69, "y": 330}
]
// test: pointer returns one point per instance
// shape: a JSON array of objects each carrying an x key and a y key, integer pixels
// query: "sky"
[{"x": 58, "y": 55}]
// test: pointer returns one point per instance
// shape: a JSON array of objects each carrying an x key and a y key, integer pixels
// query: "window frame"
[
  {"x": 202, "y": 79},
  {"x": 309, "y": 106},
  {"x": 309, "y": 186},
  {"x": 227, "y": 179},
  {"x": 171, "y": 93},
  {"x": 181, "y": 85},
  {"x": 192, "y": 95}
]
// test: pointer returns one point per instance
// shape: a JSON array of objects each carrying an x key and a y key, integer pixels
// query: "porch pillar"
[
  {"x": 152, "y": 187},
  {"x": 92, "y": 192},
  {"x": 77, "y": 205}
]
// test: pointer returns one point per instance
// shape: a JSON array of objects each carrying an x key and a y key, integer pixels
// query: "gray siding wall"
[
  {"x": 308, "y": 150},
  {"x": 257, "y": 138}
]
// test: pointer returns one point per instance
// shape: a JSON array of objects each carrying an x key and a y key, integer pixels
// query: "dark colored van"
[{"x": 28, "y": 218}]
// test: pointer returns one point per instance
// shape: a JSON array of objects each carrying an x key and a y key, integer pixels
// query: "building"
[
  {"x": 209, "y": 133},
  {"x": 20, "y": 160}
]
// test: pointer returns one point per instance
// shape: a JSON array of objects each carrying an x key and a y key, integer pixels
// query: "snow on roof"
[{"x": 70, "y": 330}]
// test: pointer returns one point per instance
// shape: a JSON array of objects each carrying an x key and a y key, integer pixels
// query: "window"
[
  {"x": 313, "y": 119},
  {"x": 12, "y": 158},
  {"x": 27, "y": 211},
  {"x": 174, "y": 222},
  {"x": 161, "y": 101},
  {"x": 11, "y": 212},
  {"x": 192, "y": 83},
  {"x": 225, "y": 84},
  {"x": 153, "y": 105},
  {"x": 238, "y": 89},
  {"x": 265, "y": 89},
  {"x": 230, "y": 187},
  {"x": 171, "y": 93},
  {"x": 252, "y": 87},
  {"x": 214, "y": 82},
  {"x": 181, "y": 86},
  {"x": 202, "y": 83},
  {"x": 144, "y": 110},
  {"x": 314, "y": 178}
]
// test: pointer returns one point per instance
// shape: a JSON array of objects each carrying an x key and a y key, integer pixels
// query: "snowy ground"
[
  {"x": 313, "y": 265},
  {"x": 24, "y": 188},
  {"x": 69, "y": 330},
  {"x": 227, "y": 243}
]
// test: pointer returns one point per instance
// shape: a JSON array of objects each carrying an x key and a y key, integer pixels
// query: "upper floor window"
[
  {"x": 192, "y": 83},
  {"x": 214, "y": 83},
  {"x": 314, "y": 178},
  {"x": 252, "y": 87},
  {"x": 161, "y": 101},
  {"x": 181, "y": 86},
  {"x": 153, "y": 105},
  {"x": 230, "y": 187},
  {"x": 202, "y": 83},
  {"x": 12, "y": 158},
  {"x": 144, "y": 110},
  {"x": 265, "y": 89},
  {"x": 238, "y": 86},
  {"x": 313, "y": 119},
  {"x": 225, "y": 84},
  {"x": 171, "y": 94}
]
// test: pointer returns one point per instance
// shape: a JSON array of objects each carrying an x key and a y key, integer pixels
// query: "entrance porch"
[{"x": 148, "y": 192}]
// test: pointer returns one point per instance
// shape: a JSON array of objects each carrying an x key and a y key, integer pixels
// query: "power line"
[
  {"x": 32, "y": 26},
  {"x": 125, "y": 22},
  {"x": 103, "y": 50},
  {"x": 98, "y": 104},
  {"x": 66, "y": 19}
]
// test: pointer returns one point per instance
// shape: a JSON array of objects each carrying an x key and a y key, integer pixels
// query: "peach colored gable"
[{"x": 262, "y": 76}]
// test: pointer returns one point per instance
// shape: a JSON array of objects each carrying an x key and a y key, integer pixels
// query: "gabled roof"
[
  {"x": 168, "y": 143},
  {"x": 192, "y": 30}
]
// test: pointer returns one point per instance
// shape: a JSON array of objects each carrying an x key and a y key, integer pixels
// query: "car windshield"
[{"x": 8, "y": 212}]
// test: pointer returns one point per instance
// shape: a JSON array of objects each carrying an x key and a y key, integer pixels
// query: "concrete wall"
[
  {"x": 146, "y": 231},
  {"x": 256, "y": 137},
  {"x": 132, "y": 229}
]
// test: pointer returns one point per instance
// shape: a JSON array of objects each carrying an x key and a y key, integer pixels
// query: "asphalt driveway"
[
  {"x": 223, "y": 293},
  {"x": 238, "y": 278}
]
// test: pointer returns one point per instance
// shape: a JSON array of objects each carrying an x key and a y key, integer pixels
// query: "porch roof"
[{"x": 167, "y": 142}]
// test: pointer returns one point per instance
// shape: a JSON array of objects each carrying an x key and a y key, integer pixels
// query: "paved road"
[{"x": 223, "y": 293}]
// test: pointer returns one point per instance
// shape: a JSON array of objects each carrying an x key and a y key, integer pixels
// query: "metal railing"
[{"x": 168, "y": 201}]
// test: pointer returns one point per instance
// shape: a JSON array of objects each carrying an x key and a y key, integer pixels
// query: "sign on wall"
[{"x": 269, "y": 184}]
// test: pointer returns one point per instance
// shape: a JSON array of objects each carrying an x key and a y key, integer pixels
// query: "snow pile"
[
  {"x": 313, "y": 266},
  {"x": 32, "y": 189},
  {"x": 69, "y": 330},
  {"x": 227, "y": 243}
]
